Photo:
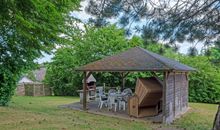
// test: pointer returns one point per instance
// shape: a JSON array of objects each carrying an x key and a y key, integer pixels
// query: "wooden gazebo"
[{"x": 175, "y": 76}]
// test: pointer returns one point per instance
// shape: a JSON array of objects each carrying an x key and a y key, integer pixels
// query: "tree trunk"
[{"x": 216, "y": 125}]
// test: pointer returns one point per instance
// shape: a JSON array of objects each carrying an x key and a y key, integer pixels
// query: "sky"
[
  {"x": 45, "y": 58},
  {"x": 84, "y": 17}
]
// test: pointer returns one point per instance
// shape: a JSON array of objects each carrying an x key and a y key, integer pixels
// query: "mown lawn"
[{"x": 42, "y": 113}]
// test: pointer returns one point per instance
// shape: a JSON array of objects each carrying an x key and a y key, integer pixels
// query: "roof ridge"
[{"x": 147, "y": 52}]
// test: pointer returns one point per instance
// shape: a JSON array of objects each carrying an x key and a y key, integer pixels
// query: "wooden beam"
[
  {"x": 157, "y": 77},
  {"x": 126, "y": 74}
]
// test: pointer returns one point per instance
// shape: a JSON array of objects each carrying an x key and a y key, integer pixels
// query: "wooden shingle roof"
[{"x": 135, "y": 59}]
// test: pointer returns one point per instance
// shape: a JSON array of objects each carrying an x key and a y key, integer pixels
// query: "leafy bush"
[
  {"x": 7, "y": 85},
  {"x": 204, "y": 85}
]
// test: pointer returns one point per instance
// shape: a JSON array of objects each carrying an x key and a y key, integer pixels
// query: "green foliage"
[
  {"x": 27, "y": 29},
  {"x": 204, "y": 85},
  {"x": 100, "y": 42},
  {"x": 215, "y": 55},
  {"x": 60, "y": 73},
  {"x": 87, "y": 48}
]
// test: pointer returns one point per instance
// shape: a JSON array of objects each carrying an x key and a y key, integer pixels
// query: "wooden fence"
[{"x": 33, "y": 89}]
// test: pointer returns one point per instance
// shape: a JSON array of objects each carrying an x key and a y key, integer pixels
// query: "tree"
[
  {"x": 170, "y": 20},
  {"x": 94, "y": 44},
  {"x": 60, "y": 72},
  {"x": 27, "y": 29}
]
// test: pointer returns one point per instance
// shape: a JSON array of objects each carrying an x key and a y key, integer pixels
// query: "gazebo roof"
[{"x": 135, "y": 59}]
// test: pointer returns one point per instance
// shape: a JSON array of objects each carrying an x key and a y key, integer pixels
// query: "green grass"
[
  {"x": 199, "y": 117},
  {"x": 42, "y": 113}
]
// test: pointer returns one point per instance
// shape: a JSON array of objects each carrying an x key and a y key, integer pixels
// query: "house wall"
[{"x": 175, "y": 96}]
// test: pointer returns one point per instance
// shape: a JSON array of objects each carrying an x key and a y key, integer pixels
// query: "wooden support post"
[
  {"x": 174, "y": 94},
  {"x": 187, "y": 76},
  {"x": 180, "y": 101},
  {"x": 123, "y": 80},
  {"x": 85, "y": 77},
  {"x": 84, "y": 91},
  {"x": 164, "y": 97},
  {"x": 187, "y": 92}
]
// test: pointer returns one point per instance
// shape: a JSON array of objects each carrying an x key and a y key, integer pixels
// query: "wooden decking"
[{"x": 93, "y": 108}]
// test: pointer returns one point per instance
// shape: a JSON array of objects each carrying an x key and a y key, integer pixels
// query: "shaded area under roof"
[{"x": 135, "y": 59}]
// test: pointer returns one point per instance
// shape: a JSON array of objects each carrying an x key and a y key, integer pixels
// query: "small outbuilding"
[
  {"x": 174, "y": 80},
  {"x": 20, "y": 90},
  {"x": 28, "y": 87}
]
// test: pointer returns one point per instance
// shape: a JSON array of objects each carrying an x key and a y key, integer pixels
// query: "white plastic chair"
[
  {"x": 92, "y": 94},
  {"x": 111, "y": 91},
  {"x": 103, "y": 100},
  {"x": 122, "y": 104},
  {"x": 126, "y": 93},
  {"x": 112, "y": 102},
  {"x": 99, "y": 92}
]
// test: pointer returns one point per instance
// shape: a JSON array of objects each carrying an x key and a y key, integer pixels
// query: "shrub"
[{"x": 204, "y": 85}]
